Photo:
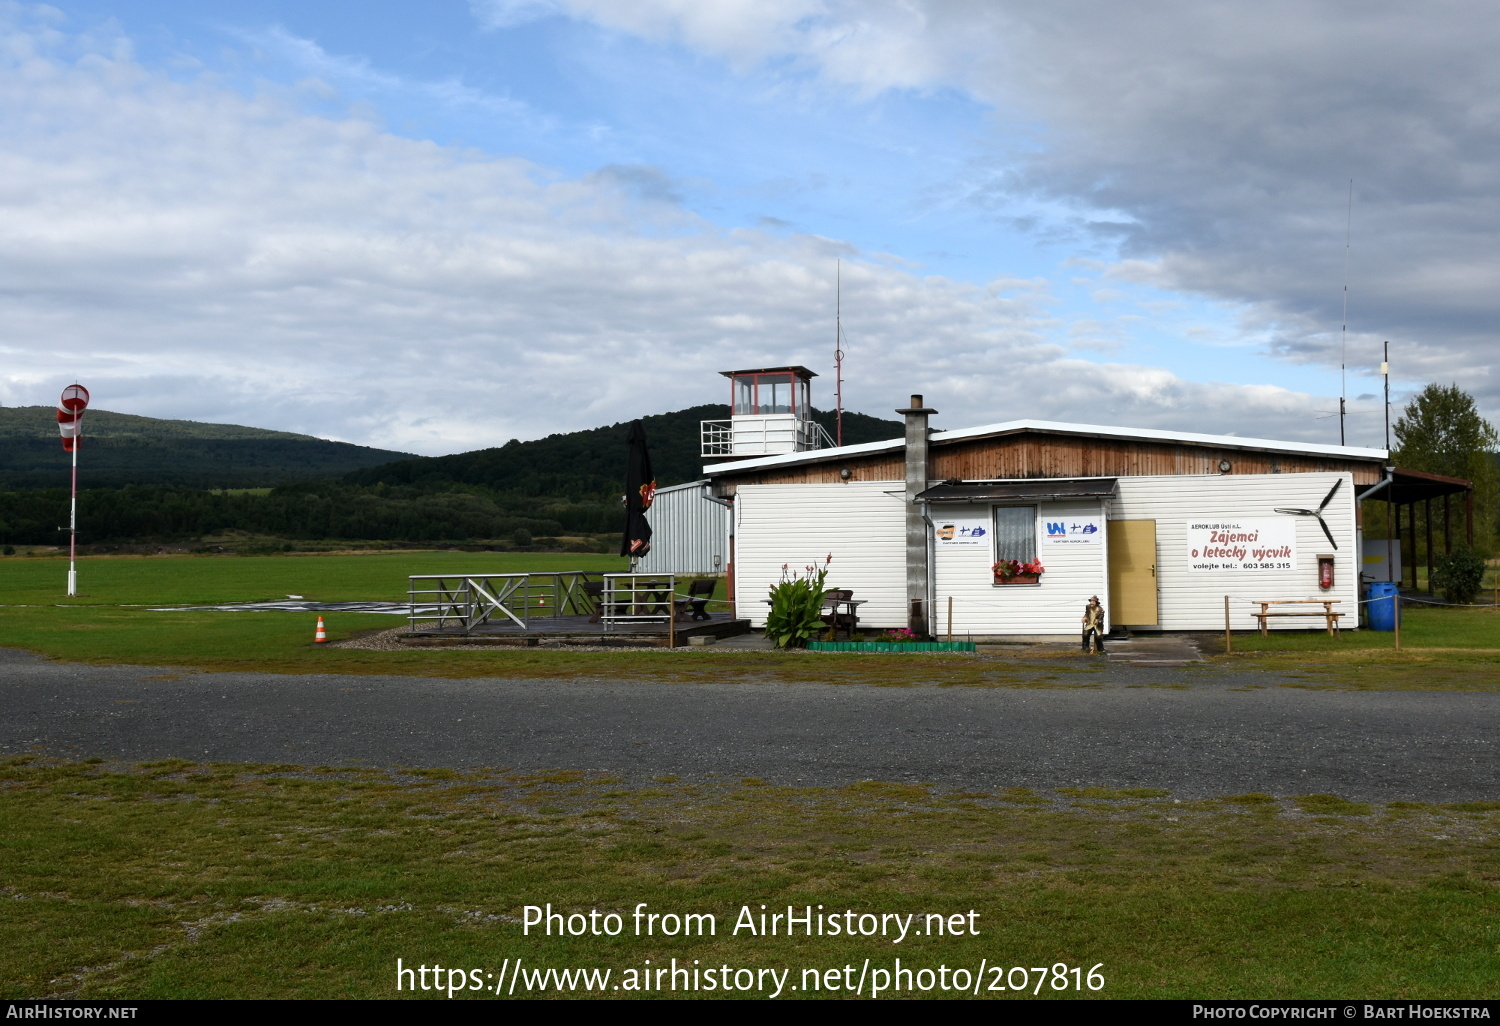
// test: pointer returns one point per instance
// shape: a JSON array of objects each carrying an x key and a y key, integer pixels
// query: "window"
[
  {"x": 768, "y": 393},
  {"x": 775, "y": 393},
  {"x": 1015, "y": 533},
  {"x": 744, "y": 395}
]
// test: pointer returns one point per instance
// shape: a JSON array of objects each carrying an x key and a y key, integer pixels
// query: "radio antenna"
[
  {"x": 1344, "y": 331},
  {"x": 838, "y": 350}
]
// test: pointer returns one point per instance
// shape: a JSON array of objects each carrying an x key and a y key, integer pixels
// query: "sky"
[{"x": 437, "y": 227}]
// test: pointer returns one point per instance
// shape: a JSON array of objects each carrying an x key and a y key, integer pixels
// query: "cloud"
[
  {"x": 188, "y": 251},
  {"x": 503, "y": 14},
  {"x": 1211, "y": 141}
]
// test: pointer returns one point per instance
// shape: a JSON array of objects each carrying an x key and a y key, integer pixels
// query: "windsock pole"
[
  {"x": 73, "y": 527},
  {"x": 75, "y": 399}
]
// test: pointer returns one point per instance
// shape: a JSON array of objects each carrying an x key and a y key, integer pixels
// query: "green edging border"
[{"x": 888, "y": 646}]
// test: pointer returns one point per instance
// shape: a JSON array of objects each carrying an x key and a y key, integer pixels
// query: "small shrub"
[
  {"x": 1459, "y": 575},
  {"x": 797, "y": 607},
  {"x": 521, "y": 537},
  {"x": 10, "y": 550}
]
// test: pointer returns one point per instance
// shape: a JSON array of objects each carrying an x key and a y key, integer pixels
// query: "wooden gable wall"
[{"x": 1033, "y": 454}]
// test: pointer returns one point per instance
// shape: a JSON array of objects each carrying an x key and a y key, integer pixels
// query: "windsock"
[{"x": 75, "y": 399}]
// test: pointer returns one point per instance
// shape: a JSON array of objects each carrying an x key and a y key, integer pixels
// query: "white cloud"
[
  {"x": 189, "y": 252},
  {"x": 1213, "y": 141}
]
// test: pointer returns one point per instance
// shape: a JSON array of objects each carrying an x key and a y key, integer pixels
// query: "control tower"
[{"x": 771, "y": 414}]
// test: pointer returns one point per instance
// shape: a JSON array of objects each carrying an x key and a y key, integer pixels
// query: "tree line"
[{"x": 326, "y": 511}]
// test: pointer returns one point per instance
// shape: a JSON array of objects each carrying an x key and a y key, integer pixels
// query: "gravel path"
[{"x": 1213, "y": 737}]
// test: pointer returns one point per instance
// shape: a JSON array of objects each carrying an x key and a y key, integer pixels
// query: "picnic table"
[
  {"x": 1330, "y": 617},
  {"x": 832, "y": 604}
]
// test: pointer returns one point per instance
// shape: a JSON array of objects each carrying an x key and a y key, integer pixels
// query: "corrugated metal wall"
[
  {"x": 1195, "y": 601},
  {"x": 985, "y": 609},
  {"x": 689, "y": 534},
  {"x": 859, "y": 523}
]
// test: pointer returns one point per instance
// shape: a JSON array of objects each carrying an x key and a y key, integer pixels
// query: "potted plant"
[{"x": 1012, "y": 571}]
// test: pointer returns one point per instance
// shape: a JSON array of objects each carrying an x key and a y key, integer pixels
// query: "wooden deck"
[{"x": 577, "y": 630}]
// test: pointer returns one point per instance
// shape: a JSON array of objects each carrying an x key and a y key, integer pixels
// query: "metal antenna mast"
[
  {"x": 1385, "y": 372},
  {"x": 838, "y": 349},
  {"x": 1344, "y": 332}
]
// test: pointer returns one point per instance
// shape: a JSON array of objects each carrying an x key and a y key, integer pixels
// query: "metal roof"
[
  {"x": 801, "y": 372},
  {"x": 1045, "y": 489},
  {"x": 1012, "y": 427},
  {"x": 1417, "y": 486}
]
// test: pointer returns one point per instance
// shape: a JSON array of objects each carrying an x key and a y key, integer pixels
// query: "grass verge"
[
  {"x": 279, "y": 642},
  {"x": 183, "y": 880},
  {"x": 1442, "y": 649}
]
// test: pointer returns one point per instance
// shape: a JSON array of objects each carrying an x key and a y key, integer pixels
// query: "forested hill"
[
  {"x": 121, "y": 449},
  {"x": 587, "y": 465}
]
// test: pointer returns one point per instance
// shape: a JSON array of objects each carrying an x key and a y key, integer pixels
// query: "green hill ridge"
[
  {"x": 151, "y": 481},
  {"x": 123, "y": 449},
  {"x": 590, "y": 464}
]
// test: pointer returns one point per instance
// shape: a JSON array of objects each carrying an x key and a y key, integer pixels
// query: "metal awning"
[
  {"x": 1041, "y": 489},
  {"x": 1417, "y": 485}
]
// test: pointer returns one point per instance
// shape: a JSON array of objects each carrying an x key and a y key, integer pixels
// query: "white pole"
[{"x": 73, "y": 526}]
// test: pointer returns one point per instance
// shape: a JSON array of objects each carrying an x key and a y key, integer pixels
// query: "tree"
[{"x": 1441, "y": 432}]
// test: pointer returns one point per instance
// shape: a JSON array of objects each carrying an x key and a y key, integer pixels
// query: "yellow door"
[{"x": 1132, "y": 572}]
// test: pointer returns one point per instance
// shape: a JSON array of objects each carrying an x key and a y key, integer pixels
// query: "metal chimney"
[{"x": 917, "y": 570}]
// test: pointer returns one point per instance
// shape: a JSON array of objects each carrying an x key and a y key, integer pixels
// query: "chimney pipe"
[{"x": 917, "y": 570}]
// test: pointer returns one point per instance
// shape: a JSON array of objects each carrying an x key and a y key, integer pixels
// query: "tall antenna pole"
[
  {"x": 1385, "y": 371},
  {"x": 838, "y": 349},
  {"x": 1390, "y": 503},
  {"x": 1344, "y": 332}
]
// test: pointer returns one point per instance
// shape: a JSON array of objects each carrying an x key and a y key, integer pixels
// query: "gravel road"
[{"x": 1213, "y": 737}]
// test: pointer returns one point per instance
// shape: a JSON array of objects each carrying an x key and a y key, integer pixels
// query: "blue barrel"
[{"x": 1382, "y": 596}]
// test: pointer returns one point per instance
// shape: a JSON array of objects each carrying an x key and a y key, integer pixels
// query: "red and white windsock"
[{"x": 75, "y": 399}]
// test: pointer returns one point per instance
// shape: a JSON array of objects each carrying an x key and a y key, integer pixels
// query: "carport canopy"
[{"x": 1409, "y": 486}]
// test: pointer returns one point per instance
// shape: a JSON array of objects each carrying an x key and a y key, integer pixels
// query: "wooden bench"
[{"x": 1329, "y": 616}]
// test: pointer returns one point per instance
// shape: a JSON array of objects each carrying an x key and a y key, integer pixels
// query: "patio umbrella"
[{"x": 640, "y": 489}]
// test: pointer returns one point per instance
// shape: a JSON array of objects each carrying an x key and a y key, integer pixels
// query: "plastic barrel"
[{"x": 1382, "y": 596}]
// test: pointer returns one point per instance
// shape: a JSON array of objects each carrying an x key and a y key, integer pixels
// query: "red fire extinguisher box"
[{"x": 1325, "y": 572}]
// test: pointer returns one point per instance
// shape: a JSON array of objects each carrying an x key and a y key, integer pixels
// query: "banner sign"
[
  {"x": 963, "y": 532},
  {"x": 1073, "y": 531},
  {"x": 1258, "y": 544}
]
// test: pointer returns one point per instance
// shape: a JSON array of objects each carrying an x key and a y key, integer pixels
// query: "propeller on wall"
[{"x": 1319, "y": 511}]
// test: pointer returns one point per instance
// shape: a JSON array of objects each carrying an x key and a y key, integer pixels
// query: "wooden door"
[{"x": 1132, "y": 573}]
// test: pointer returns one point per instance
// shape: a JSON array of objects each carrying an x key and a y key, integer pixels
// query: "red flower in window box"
[{"x": 1012, "y": 571}]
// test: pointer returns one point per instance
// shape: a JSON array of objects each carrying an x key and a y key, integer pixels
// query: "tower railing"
[{"x": 764, "y": 435}]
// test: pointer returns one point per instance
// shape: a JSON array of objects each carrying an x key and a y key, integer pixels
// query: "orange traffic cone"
[{"x": 321, "y": 637}]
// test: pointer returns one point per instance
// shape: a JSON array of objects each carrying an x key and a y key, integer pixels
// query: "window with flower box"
[{"x": 1015, "y": 545}]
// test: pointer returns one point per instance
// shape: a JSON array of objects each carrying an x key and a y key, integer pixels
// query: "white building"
[{"x": 1161, "y": 525}]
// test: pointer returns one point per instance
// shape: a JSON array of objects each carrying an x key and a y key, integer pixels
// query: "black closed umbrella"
[{"x": 640, "y": 489}]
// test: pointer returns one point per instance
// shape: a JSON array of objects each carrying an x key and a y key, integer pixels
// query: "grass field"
[
  {"x": 1443, "y": 648},
  {"x": 179, "y": 880},
  {"x": 186, "y": 580},
  {"x": 184, "y": 880}
]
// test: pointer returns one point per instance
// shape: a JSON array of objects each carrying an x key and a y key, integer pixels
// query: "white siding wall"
[
  {"x": 1195, "y": 601},
  {"x": 800, "y": 524},
  {"x": 687, "y": 532},
  {"x": 983, "y": 609}
]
